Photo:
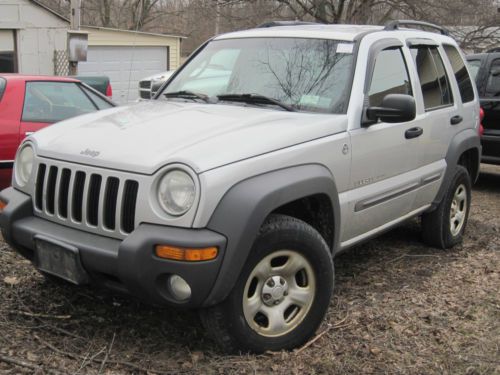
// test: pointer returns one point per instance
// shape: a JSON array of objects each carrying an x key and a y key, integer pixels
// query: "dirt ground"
[{"x": 399, "y": 308}]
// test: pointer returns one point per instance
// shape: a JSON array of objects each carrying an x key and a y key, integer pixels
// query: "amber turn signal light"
[
  {"x": 186, "y": 254},
  {"x": 2, "y": 206}
]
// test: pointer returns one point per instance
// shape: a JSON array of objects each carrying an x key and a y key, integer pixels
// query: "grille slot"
[
  {"x": 40, "y": 180},
  {"x": 128, "y": 208},
  {"x": 64, "y": 192},
  {"x": 93, "y": 201},
  {"x": 78, "y": 188},
  {"x": 110, "y": 199},
  {"x": 51, "y": 190}
]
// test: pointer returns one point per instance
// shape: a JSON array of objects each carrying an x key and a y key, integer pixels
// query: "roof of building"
[
  {"x": 50, "y": 10},
  {"x": 133, "y": 32}
]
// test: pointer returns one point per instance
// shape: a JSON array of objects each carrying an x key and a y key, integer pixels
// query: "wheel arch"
[
  {"x": 244, "y": 208},
  {"x": 465, "y": 150}
]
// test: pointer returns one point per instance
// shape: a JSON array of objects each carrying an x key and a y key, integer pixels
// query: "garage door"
[{"x": 124, "y": 66}]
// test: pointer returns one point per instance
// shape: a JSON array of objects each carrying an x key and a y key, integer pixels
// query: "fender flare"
[
  {"x": 463, "y": 141},
  {"x": 243, "y": 209}
]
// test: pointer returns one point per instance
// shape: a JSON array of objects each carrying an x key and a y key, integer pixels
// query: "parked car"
[
  {"x": 99, "y": 83},
  {"x": 150, "y": 85},
  {"x": 30, "y": 103},
  {"x": 485, "y": 69},
  {"x": 235, "y": 201}
]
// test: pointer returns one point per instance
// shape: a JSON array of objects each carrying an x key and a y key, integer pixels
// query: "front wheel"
[
  {"x": 445, "y": 226},
  {"x": 282, "y": 293}
]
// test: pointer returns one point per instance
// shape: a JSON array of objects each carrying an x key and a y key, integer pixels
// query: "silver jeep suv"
[{"x": 268, "y": 153}]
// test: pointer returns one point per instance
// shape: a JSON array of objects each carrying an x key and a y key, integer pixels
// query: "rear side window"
[
  {"x": 474, "y": 66},
  {"x": 3, "y": 84},
  {"x": 51, "y": 102},
  {"x": 433, "y": 79},
  {"x": 493, "y": 84},
  {"x": 461, "y": 74},
  {"x": 390, "y": 76}
]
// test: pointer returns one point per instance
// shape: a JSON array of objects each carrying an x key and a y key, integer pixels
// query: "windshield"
[{"x": 310, "y": 75}]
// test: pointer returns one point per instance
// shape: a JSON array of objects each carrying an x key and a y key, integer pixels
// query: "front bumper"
[{"x": 127, "y": 265}]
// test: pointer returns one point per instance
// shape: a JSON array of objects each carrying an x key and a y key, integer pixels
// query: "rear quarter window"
[{"x": 461, "y": 74}]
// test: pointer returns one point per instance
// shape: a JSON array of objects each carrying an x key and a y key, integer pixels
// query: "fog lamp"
[{"x": 179, "y": 288}]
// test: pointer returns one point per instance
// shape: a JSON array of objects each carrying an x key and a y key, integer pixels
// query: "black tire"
[
  {"x": 226, "y": 322},
  {"x": 436, "y": 226}
]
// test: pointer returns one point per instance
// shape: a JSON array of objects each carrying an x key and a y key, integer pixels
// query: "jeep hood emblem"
[{"x": 89, "y": 152}]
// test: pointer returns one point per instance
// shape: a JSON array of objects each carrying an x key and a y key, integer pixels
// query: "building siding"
[{"x": 38, "y": 34}]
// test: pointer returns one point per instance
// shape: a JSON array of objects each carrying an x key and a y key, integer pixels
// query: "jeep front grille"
[{"x": 86, "y": 198}]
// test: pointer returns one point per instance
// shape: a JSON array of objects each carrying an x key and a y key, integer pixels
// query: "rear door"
[
  {"x": 491, "y": 105},
  {"x": 442, "y": 117}
]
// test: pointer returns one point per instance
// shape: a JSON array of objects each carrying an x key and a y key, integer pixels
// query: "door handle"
[
  {"x": 455, "y": 120},
  {"x": 414, "y": 133}
]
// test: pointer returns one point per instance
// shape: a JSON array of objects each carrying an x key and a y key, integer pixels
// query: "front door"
[{"x": 383, "y": 155}]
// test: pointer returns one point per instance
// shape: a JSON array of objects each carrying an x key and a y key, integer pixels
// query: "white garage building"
[{"x": 32, "y": 38}]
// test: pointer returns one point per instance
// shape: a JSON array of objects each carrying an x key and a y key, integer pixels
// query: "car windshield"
[{"x": 311, "y": 75}]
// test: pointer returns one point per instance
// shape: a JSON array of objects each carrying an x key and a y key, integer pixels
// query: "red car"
[{"x": 30, "y": 103}]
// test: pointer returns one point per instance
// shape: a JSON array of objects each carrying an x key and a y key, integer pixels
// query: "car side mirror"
[{"x": 394, "y": 108}]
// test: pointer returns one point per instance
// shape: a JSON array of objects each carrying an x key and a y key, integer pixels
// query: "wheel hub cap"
[
  {"x": 458, "y": 210},
  {"x": 274, "y": 291}
]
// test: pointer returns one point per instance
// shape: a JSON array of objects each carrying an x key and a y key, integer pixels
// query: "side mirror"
[{"x": 394, "y": 108}]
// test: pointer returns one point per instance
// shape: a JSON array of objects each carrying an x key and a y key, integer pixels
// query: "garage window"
[{"x": 7, "y": 52}]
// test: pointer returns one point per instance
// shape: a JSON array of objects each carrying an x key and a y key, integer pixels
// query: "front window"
[{"x": 304, "y": 74}]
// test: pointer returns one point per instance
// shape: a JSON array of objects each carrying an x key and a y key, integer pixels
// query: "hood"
[{"x": 146, "y": 136}]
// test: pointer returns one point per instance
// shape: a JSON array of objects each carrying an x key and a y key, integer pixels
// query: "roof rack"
[
  {"x": 284, "y": 23},
  {"x": 394, "y": 25}
]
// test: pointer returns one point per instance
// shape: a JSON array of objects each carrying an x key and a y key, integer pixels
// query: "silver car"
[{"x": 268, "y": 153}]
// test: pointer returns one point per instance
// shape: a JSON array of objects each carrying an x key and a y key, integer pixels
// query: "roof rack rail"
[
  {"x": 394, "y": 25},
  {"x": 284, "y": 23}
]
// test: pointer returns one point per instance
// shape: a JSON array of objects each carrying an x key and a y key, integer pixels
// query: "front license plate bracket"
[{"x": 59, "y": 259}]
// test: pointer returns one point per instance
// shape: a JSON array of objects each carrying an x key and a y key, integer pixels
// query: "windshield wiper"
[
  {"x": 188, "y": 95},
  {"x": 255, "y": 98}
]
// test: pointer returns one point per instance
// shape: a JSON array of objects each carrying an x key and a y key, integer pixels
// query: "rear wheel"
[
  {"x": 445, "y": 226},
  {"x": 282, "y": 293}
]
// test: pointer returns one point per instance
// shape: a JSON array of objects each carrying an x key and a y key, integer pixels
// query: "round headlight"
[
  {"x": 24, "y": 165},
  {"x": 176, "y": 192}
]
